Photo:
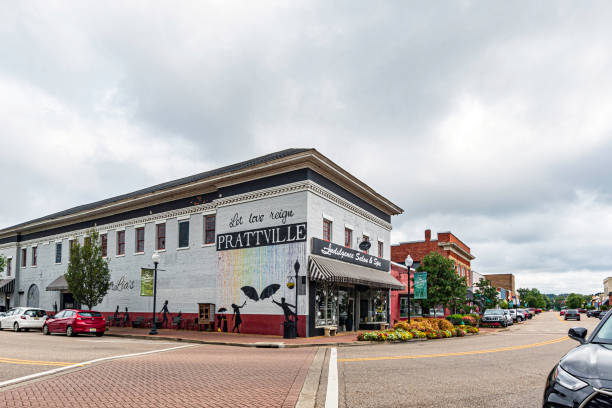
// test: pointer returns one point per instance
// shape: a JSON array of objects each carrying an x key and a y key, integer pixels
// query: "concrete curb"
[{"x": 308, "y": 395}]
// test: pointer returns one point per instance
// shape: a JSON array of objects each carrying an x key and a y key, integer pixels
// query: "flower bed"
[{"x": 419, "y": 329}]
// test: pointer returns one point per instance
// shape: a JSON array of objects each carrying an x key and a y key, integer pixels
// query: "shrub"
[
  {"x": 455, "y": 319},
  {"x": 460, "y": 332},
  {"x": 470, "y": 320},
  {"x": 472, "y": 330},
  {"x": 444, "y": 324}
]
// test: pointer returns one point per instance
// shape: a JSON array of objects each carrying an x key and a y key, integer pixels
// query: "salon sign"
[{"x": 334, "y": 251}]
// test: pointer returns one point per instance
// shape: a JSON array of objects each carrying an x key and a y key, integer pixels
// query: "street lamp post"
[
  {"x": 408, "y": 262},
  {"x": 296, "y": 266},
  {"x": 155, "y": 259}
]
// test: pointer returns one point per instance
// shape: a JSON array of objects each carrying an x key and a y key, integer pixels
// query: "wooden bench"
[
  {"x": 138, "y": 321},
  {"x": 384, "y": 326},
  {"x": 330, "y": 330}
]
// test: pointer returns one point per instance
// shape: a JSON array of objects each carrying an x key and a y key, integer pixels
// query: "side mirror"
[{"x": 578, "y": 334}]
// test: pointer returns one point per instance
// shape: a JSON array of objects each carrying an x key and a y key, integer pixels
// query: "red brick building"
[{"x": 447, "y": 245}]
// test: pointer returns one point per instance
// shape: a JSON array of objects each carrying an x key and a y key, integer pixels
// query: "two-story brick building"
[
  {"x": 448, "y": 245},
  {"x": 232, "y": 237}
]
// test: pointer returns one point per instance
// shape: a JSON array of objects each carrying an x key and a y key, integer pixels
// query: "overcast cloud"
[{"x": 489, "y": 119}]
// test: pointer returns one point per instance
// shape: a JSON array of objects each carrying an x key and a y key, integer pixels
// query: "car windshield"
[
  {"x": 604, "y": 335},
  {"x": 495, "y": 312}
]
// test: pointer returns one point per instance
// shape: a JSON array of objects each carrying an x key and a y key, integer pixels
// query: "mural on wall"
[{"x": 256, "y": 274}]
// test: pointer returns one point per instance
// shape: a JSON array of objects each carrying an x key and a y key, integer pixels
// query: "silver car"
[
  {"x": 25, "y": 318},
  {"x": 508, "y": 317}
]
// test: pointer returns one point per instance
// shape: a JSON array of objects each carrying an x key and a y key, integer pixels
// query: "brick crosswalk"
[{"x": 201, "y": 376}]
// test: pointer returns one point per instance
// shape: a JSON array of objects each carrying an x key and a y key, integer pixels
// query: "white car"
[
  {"x": 508, "y": 317},
  {"x": 25, "y": 318},
  {"x": 516, "y": 316}
]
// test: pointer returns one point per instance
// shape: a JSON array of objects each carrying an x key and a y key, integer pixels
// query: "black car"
[
  {"x": 602, "y": 314},
  {"x": 583, "y": 377},
  {"x": 571, "y": 314},
  {"x": 592, "y": 313}
]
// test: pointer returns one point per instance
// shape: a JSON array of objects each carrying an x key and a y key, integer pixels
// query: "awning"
[
  {"x": 7, "y": 285},
  {"x": 329, "y": 270},
  {"x": 58, "y": 284}
]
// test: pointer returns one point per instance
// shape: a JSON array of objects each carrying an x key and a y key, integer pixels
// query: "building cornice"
[
  {"x": 455, "y": 248},
  {"x": 302, "y": 186},
  {"x": 307, "y": 159}
]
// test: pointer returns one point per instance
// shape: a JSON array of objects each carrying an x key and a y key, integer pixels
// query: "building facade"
[{"x": 232, "y": 238}]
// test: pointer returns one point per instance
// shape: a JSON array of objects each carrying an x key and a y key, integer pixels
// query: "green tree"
[
  {"x": 2, "y": 263},
  {"x": 88, "y": 275},
  {"x": 575, "y": 301},
  {"x": 444, "y": 286},
  {"x": 487, "y": 293},
  {"x": 503, "y": 304}
]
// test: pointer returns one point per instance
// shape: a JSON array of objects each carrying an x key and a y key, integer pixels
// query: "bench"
[
  {"x": 384, "y": 326},
  {"x": 330, "y": 330},
  {"x": 176, "y": 321},
  {"x": 138, "y": 322}
]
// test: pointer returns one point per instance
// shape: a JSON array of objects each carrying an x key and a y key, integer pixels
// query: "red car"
[
  {"x": 75, "y": 321},
  {"x": 562, "y": 312}
]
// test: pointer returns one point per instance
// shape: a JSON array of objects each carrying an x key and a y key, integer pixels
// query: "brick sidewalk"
[
  {"x": 232, "y": 338},
  {"x": 199, "y": 376}
]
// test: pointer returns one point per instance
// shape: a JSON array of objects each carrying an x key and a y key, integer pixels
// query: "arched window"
[{"x": 33, "y": 296}]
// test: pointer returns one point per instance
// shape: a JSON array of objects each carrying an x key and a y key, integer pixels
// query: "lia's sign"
[
  {"x": 330, "y": 250},
  {"x": 285, "y": 234}
]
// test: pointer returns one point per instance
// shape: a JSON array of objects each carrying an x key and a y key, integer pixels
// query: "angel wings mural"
[{"x": 268, "y": 291}]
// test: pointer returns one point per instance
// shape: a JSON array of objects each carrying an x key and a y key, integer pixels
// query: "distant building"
[
  {"x": 504, "y": 283},
  {"x": 476, "y": 277},
  {"x": 447, "y": 244}
]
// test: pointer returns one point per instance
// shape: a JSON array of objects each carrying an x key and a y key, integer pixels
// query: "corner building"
[{"x": 231, "y": 238}]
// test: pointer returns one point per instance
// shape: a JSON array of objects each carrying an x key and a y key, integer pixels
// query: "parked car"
[
  {"x": 603, "y": 314},
  {"x": 532, "y": 311},
  {"x": 537, "y": 311},
  {"x": 23, "y": 318},
  {"x": 562, "y": 312},
  {"x": 572, "y": 314},
  {"x": 494, "y": 317},
  {"x": 581, "y": 310},
  {"x": 583, "y": 377},
  {"x": 75, "y": 321},
  {"x": 508, "y": 317},
  {"x": 524, "y": 313},
  {"x": 592, "y": 313},
  {"x": 517, "y": 316}
]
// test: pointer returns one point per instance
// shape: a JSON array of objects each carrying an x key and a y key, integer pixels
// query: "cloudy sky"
[{"x": 491, "y": 120}]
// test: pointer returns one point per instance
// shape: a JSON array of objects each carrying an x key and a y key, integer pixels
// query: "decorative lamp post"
[
  {"x": 296, "y": 266},
  {"x": 408, "y": 262},
  {"x": 155, "y": 259}
]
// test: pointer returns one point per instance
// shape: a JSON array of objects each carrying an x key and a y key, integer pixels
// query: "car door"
[
  {"x": 53, "y": 324},
  {"x": 66, "y": 320}
]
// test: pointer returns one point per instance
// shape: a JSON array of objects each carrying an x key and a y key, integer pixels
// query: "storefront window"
[
  {"x": 415, "y": 308},
  {"x": 326, "y": 305},
  {"x": 373, "y": 305}
]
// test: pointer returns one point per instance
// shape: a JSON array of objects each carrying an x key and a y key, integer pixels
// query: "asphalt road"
[
  {"x": 24, "y": 353},
  {"x": 504, "y": 369}
]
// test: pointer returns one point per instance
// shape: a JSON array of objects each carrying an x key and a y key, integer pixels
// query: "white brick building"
[{"x": 223, "y": 235}]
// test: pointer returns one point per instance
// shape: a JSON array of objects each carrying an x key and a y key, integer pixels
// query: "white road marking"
[
  {"x": 331, "y": 397},
  {"x": 84, "y": 363}
]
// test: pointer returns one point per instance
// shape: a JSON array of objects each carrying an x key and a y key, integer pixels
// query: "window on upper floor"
[
  {"x": 34, "y": 256},
  {"x": 348, "y": 237},
  {"x": 104, "y": 244},
  {"x": 327, "y": 230},
  {"x": 8, "y": 267},
  {"x": 381, "y": 247},
  {"x": 209, "y": 229},
  {"x": 120, "y": 242},
  {"x": 58, "y": 252},
  {"x": 140, "y": 239},
  {"x": 24, "y": 257},
  {"x": 160, "y": 236},
  {"x": 70, "y": 246},
  {"x": 183, "y": 234}
]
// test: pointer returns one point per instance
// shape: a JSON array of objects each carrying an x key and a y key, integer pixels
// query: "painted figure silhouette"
[
  {"x": 286, "y": 308},
  {"x": 165, "y": 312},
  {"x": 237, "y": 318},
  {"x": 126, "y": 317}
]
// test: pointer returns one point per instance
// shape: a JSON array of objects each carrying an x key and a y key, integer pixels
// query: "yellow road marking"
[
  {"x": 460, "y": 353},
  {"x": 8, "y": 360}
]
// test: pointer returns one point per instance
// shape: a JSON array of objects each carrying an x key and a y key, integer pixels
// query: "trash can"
[{"x": 289, "y": 331}]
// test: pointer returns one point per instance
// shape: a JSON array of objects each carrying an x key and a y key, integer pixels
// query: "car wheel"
[
  {"x": 45, "y": 330},
  {"x": 578, "y": 317},
  {"x": 16, "y": 327},
  {"x": 100, "y": 334},
  {"x": 26, "y": 330},
  {"x": 69, "y": 331}
]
